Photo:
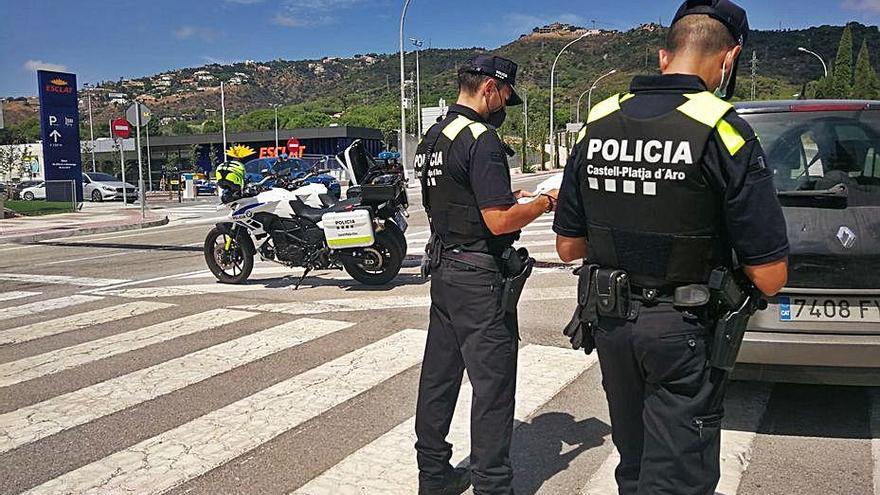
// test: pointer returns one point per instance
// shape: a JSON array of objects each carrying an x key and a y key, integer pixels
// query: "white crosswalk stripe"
[
  {"x": 178, "y": 290},
  {"x": 44, "y": 306},
  {"x": 79, "y": 321},
  {"x": 60, "y": 280},
  {"x": 69, "y": 357},
  {"x": 183, "y": 453},
  {"x": 32, "y": 423},
  {"x": 390, "y": 302},
  {"x": 387, "y": 465},
  {"x": 18, "y": 294}
]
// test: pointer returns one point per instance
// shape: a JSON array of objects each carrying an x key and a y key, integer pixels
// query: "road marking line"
[
  {"x": 602, "y": 482},
  {"x": 79, "y": 321},
  {"x": 60, "y": 279},
  {"x": 87, "y": 239},
  {"x": 387, "y": 465},
  {"x": 746, "y": 403},
  {"x": 748, "y": 407},
  {"x": 43, "y": 306},
  {"x": 390, "y": 302},
  {"x": 141, "y": 282},
  {"x": 90, "y": 258},
  {"x": 875, "y": 436},
  {"x": 179, "y": 290},
  {"x": 69, "y": 357},
  {"x": 17, "y": 294},
  {"x": 278, "y": 271},
  {"x": 176, "y": 456},
  {"x": 49, "y": 417}
]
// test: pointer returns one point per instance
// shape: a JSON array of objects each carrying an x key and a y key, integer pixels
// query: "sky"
[{"x": 105, "y": 40}]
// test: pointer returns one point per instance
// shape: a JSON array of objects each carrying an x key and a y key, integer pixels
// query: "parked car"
[
  {"x": 205, "y": 187},
  {"x": 824, "y": 327},
  {"x": 99, "y": 187},
  {"x": 21, "y": 186},
  {"x": 31, "y": 193}
]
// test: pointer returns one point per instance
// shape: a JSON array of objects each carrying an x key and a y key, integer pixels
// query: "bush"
[{"x": 37, "y": 208}]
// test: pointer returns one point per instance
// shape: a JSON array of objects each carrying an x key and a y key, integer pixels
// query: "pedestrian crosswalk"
[
  {"x": 195, "y": 211},
  {"x": 335, "y": 357}
]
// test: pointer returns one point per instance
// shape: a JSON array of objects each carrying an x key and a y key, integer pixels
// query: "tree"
[
  {"x": 195, "y": 153},
  {"x": 180, "y": 128},
  {"x": 210, "y": 126},
  {"x": 841, "y": 79},
  {"x": 866, "y": 85}
]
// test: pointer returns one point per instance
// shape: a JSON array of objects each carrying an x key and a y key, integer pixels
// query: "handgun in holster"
[
  {"x": 735, "y": 304},
  {"x": 517, "y": 267},
  {"x": 432, "y": 256},
  {"x": 580, "y": 329}
]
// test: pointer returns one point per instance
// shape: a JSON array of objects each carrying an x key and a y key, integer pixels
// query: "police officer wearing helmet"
[
  {"x": 231, "y": 178},
  {"x": 476, "y": 280},
  {"x": 667, "y": 188}
]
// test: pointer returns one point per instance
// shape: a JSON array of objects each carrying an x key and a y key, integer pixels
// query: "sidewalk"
[{"x": 35, "y": 229}]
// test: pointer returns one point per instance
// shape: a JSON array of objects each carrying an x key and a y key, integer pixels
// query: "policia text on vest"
[{"x": 668, "y": 201}]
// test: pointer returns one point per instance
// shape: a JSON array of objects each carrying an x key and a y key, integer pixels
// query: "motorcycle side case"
[{"x": 351, "y": 229}]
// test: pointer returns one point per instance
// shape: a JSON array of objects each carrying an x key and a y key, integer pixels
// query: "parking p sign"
[{"x": 59, "y": 127}]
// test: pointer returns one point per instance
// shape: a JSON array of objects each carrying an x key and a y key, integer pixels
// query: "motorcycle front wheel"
[
  {"x": 227, "y": 258},
  {"x": 377, "y": 264}
]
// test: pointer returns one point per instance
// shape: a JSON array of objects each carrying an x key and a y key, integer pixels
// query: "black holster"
[
  {"x": 580, "y": 329},
  {"x": 517, "y": 267},
  {"x": 431, "y": 258}
]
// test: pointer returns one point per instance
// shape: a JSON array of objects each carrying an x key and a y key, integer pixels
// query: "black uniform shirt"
[
  {"x": 480, "y": 164},
  {"x": 755, "y": 226}
]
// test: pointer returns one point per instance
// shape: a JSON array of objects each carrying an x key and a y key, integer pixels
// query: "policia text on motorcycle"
[
  {"x": 476, "y": 281},
  {"x": 669, "y": 201}
]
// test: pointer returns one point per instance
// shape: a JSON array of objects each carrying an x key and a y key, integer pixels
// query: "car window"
[
  {"x": 810, "y": 151},
  {"x": 99, "y": 177}
]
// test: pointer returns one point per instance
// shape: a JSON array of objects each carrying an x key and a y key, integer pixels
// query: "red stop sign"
[
  {"x": 121, "y": 128},
  {"x": 293, "y": 146}
]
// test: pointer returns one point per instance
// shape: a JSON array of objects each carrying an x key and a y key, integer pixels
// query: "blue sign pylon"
[{"x": 59, "y": 127}]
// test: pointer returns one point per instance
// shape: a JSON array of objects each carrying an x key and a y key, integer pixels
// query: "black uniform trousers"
[
  {"x": 655, "y": 375},
  {"x": 469, "y": 330}
]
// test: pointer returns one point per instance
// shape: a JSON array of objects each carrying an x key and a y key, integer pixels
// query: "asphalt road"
[{"x": 124, "y": 368}]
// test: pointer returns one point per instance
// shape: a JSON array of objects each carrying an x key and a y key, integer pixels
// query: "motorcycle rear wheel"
[
  {"x": 232, "y": 266},
  {"x": 381, "y": 263}
]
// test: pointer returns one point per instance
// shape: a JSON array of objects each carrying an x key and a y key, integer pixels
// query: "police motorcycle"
[{"x": 296, "y": 223}]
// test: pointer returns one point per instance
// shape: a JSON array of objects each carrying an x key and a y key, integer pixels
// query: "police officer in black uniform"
[
  {"x": 668, "y": 184},
  {"x": 475, "y": 219}
]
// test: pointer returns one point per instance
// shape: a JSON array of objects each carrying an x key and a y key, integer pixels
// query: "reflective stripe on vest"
[{"x": 708, "y": 109}]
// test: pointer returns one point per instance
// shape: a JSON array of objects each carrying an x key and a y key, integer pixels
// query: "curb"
[{"x": 32, "y": 239}]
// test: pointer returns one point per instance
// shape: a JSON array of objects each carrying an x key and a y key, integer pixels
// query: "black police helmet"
[
  {"x": 726, "y": 12},
  {"x": 500, "y": 68}
]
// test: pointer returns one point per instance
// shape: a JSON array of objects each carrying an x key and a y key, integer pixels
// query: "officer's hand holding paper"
[{"x": 549, "y": 186}]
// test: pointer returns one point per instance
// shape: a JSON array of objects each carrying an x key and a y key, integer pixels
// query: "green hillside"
[{"x": 364, "y": 90}]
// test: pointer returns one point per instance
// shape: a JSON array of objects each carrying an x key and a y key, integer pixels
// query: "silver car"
[
  {"x": 825, "y": 325},
  {"x": 99, "y": 187}
]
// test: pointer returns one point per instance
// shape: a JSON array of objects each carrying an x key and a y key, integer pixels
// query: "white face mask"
[{"x": 721, "y": 90}]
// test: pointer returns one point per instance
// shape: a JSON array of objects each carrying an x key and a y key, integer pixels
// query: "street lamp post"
[
  {"x": 91, "y": 132},
  {"x": 590, "y": 93},
  {"x": 402, "y": 133},
  {"x": 223, "y": 116},
  {"x": 275, "y": 107},
  {"x": 552, "y": 102},
  {"x": 418, "y": 44},
  {"x": 824, "y": 67}
]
